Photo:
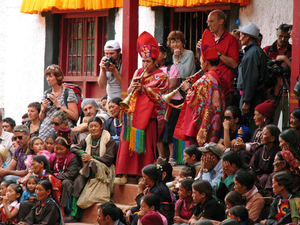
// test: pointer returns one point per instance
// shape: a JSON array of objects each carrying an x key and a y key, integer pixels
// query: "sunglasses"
[
  {"x": 18, "y": 137},
  {"x": 52, "y": 68},
  {"x": 55, "y": 123}
]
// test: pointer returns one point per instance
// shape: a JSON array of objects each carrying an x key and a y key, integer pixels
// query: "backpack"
[{"x": 78, "y": 93}]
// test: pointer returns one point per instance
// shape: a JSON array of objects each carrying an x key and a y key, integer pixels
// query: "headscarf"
[
  {"x": 290, "y": 159},
  {"x": 152, "y": 218},
  {"x": 88, "y": 101}
]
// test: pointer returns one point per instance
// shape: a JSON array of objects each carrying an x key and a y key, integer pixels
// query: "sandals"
[
  {"x": 160, "y": 159},
  {"x": 172, "y": 162}
]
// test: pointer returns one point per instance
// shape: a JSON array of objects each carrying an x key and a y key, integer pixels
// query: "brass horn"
[
  {"x": 168, "y": 97},
  {"x": 125, "y": 103}
]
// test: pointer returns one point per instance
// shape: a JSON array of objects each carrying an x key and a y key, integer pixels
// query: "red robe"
[{"x": 142, "y": 123}]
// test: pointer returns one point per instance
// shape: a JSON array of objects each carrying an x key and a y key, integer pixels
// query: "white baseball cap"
[{"x": 112, "y": 45}]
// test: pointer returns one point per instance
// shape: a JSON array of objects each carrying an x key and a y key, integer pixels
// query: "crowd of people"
[{"x": 239, "y": 167}]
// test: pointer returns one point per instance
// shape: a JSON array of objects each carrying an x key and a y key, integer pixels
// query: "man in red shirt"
[{"x": 227, "y": 47}]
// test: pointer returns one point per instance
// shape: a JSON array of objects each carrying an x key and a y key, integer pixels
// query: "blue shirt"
[
  {"x": 214, "y": 175},
  {"x": 26, "y": 195},
  {"x": 247, "y": 134}
]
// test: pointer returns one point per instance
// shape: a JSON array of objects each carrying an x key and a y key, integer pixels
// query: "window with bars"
[{"x": 82, "y": 44}]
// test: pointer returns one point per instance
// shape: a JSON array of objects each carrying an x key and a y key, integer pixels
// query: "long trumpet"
[
  {"x": 168, "y": 97},
  {"x": 125, "y": 103}
]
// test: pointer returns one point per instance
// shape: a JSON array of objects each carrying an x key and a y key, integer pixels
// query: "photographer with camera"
[
  {"x": 110, "y": 70},
  {"x": 280, "y": 53}
]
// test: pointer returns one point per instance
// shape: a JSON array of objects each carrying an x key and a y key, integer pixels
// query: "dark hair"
[
  {"x": 236, "y": 113},
  {"x": 168, "y": 169},
  {"x": 104, "y": 97},
  {"x": 32, "y": 140},
  {"x": 31, "y": 177},
  {"x": 193, "y": 150},
  {"x": 290, "y": 136},
  {"x": 62, "y": 142},
  {"x": 166, "y": 49},
  {"x": 242, "y": 213},
  {"x": 188, "y": 171},
  {"x": 42, "y": 158},
  {"x": 283, "y": 27},
  {"x": 110, "y": 209},
  {"x": 35, "y": 105},
  {"x": 203, "y": 186},
  {"x": 296, "y": 113},
  {"x": 187, "y": 184},
  {"x": 47, "y": 185},
  {"x": 245, "y": 179},
  {"x": 116, "y": 101},
  {"x": 58, "y": 73},
  {"x": 52, "y": 136},
  {"x": 95, "y": 119},
  {"x": 6, "y": 183},
  {"x": 152, "y": 200},
  {"x": 233, "y": 157},
  {"x": 154, "y": 172},
  {"x": 284, "y": 178},
  {"x": 10, "y": 121},
  {"x": 18, "y": 189},
  {"x": 214, "y": 62},
  {"x": 234, "y": 198},
  {"x": 274, "y": 130},
  {"x": 176, "y": 34},
  {"x": 204, "y": 222},
  {"x": 25, "y": 116}
]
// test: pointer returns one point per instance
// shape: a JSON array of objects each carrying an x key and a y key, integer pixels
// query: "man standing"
[
  {"x": 6, "y": 141},
  {"x": 280, "y": 50},
  {"x": 17, "y": 167},
  {"x": 252, "y": 71},
  {"x": 200, "y": 117},
  {"x": 110, "y": 70},
  {"x": 227, "y": 47}
]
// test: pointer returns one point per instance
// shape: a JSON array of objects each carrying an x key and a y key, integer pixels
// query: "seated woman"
[
  {"x": 231, "y": 163},
  {"x": 207, "y": 206},
  {"x": 152, "y": 179},
  {"x": 34, "y": 122},
  {"x": 98, "y": 155},
  {"x": 244, "y": 184},
  {"x": 233, "y": 128},
  {"x": 192, "y": 156},
  {"x": 64, "y": 164},
  {"x": 113, "y": 125},
  {"x": 289, "y": 140},
  {"x": 295, "y": 120},
  {"x": 284, "y": 161},
  {"x": 263, "y": 115},
  {"x": 283, "y": 208},
  {"x": 41, "y": 168},
  {"x": 46, "y": 210},
  {"x": 263, "y": 158}
]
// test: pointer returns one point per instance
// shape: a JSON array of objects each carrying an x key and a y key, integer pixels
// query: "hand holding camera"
[{"x": 108, "y": 64}]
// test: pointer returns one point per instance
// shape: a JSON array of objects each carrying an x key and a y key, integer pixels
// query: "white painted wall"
[
  {"x": 22, "y": 44},
  {"x": 267, "y": 15},
  {"x": 146, "y": 23}
]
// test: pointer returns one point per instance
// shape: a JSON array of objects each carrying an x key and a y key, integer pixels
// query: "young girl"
[
  {"x": 36, "y": 145},
  {"x": 149, "y": 203},
  {"x": 49, "y": 143},
  {"x": 232, "y": 199},
  {"x": 192, "y": 156},
  {"x": 3, "y": 188},
  {"x": 240, "y": 213},
  {"x": 10, "y": 205},
  {"x": 29, "y": 194},
  {"x": 185, "y": 205}
]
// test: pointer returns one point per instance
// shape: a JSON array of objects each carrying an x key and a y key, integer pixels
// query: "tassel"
[
  {"x": 138, "y": 141},
  {"x": 122, "y": 133},
  {"x": 143, "y": 134},
  {"x": 132, "y": 140}
]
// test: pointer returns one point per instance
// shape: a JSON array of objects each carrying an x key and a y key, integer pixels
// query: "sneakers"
[
  {"x": 172, "y": 162},
  {"x": 121, "y": 180}
]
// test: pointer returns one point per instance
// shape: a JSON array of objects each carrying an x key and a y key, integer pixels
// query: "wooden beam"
[
  {"x": 130, "y": 34},
  {"x": 295, "y": 68}
]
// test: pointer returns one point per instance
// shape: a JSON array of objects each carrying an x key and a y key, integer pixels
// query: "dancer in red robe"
[{"x": 144, "y": 121}]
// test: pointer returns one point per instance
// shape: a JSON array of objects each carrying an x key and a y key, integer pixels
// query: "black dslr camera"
[
  {"x": 275, "y": 69},
  {"x": 108, "y": 61}
]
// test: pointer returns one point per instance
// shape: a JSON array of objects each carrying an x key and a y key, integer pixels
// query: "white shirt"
[
  {"x": 14, "y": 204},
  {"x": 5, "y": 140}
]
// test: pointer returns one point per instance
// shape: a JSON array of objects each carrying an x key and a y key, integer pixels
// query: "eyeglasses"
[
  {"x": 228, "y": 118},
  {"x": 18, "y": 137},
  {"x": 52, "y": 68},
  {"x": 279, "y": 161},
  {"x": 55, "y": 123}
]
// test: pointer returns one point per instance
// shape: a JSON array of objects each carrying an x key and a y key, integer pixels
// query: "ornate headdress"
[
  {"x": 208, "y": 46},
  {"x": 147, "y": 46}
]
